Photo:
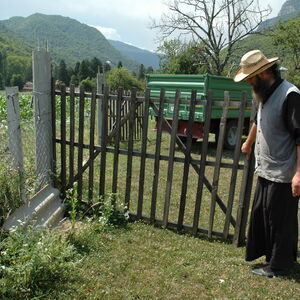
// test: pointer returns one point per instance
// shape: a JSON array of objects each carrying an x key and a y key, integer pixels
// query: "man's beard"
[{"x": 261, "y": 90}]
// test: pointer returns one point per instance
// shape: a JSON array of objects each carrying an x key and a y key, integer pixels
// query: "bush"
[
  {"x": 88, "y": 84},
  {"x": 17, "y": 80},
  {"x": 33, "y": 261},
  {"x": 107, "y": 211},
  {"x": 10, "y": 196}
]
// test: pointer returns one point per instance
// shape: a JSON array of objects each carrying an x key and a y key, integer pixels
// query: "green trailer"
[{"x": 202, "y": 84}]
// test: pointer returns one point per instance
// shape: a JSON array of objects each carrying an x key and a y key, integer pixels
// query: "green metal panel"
[{"x": 202, "y": 84}]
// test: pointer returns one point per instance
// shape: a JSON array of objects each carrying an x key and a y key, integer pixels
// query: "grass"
[
  {"x": 139, "y": 261},
  {"x": 144, "y": 262}
]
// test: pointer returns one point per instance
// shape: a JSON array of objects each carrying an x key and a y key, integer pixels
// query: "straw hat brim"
[{"x": 241, "y": 75}]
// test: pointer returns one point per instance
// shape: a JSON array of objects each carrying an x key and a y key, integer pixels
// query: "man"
[{"x": 273, "y": 229}]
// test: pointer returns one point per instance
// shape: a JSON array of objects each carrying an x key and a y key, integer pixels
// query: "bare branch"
[{"x": 217, "y": 24}]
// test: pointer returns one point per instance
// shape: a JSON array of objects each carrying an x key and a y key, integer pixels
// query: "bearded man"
[{"x": 273, "y": 229}]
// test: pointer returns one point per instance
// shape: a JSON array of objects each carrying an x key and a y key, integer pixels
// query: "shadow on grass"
[{"x": 290, "y": 274}]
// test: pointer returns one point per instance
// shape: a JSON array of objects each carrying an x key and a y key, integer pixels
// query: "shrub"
[
  {"x": 107, "y": 211},
  {"x": 10, "y": 196},
  {"x": 32, "y": 261}
]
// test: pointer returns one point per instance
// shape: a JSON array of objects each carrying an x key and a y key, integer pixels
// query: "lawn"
[{"x": 144, "y": 262}]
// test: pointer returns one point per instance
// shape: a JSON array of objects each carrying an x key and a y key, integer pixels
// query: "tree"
[
  {"x": 285, "y": 36},
  {"x": 141, "y": 74},
  {"x": 17, "y": 80},
  {"x": 216, "y": 24},
  {"x": 185, "y": 58},
  {"x": 74, "y": 80},
  {"x": 1, "y": 81},
  {"x": 120, "y": 65},
  {"x": 16, "y": 65},
  {"x": 149, "y": 70},
  {"x": 3, "y": 63},
  {"x": 88, "y": 84},
  {"x": 107, "y": 66},
  {"x": 84, "y": 70},
  {"x": 96, "y": 65},
  {"x": 121, "y": 78},
  {"x": 76, "y": 68},
  {"x": 63, "y": 75}
]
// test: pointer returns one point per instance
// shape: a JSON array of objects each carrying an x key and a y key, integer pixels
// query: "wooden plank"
[
  {"x": 80, "y": 141},
  {"x": 216, "y": 175},
  {"x": 234, "y": 172},
  {"x": 92, "y": 143},
  {"x": 204, "y": 150},
  {"x": 171, "y": 159},
  {"x": 143, "y": 153},
  {"x": 63, "y": 137},
  {"x": 157, "y": 154},
  {"x": 187, "y": 161},
  {"x": 130, "y": 147},
  {"x": 117, "y": 141},
  {"x": 72, "y": 135},
  {"x": 245, "y": 194},
  {"x": 104, "y": 141},
  {"x": 53, "y": 120},
  {"x": 152, "y": 156}
]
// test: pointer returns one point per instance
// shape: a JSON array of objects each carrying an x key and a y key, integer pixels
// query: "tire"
[{"x": 230, "y": 135}]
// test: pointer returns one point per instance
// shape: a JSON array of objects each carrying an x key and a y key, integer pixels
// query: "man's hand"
[
  {"x": 247, "y": 149},
  {"x": 296, "y": 184}
]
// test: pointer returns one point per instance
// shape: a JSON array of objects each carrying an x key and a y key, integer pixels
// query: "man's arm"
[
  {"x": 247, "y": 145},
  {"x": 296, "y": 178}
]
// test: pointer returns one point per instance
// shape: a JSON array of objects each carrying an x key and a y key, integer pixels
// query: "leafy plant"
[
  {"x": 106, "y": 211},
  {"x": 10, "y": 197},
  {"x": 72, "y": 195},
  {"x": 32, "y": 260}
]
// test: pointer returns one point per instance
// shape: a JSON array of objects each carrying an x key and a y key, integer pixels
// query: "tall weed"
[{"x": 33, "y": 260}]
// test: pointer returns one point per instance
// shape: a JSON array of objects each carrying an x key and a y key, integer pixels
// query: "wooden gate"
[{"x": 161, "y": 179}]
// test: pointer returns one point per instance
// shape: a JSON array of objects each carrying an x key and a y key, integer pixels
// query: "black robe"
[{"x": 273, "y": 229}]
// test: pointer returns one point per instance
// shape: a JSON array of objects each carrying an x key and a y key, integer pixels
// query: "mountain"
[
  {"x": 289, "y": 9},
  {"x": 145, "y": 57},
  {"x": 67, "y": 38},
  {"x": 13, "y": 44}
]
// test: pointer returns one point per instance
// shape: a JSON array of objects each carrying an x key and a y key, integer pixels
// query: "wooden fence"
[{"x": 198, "y": 188}]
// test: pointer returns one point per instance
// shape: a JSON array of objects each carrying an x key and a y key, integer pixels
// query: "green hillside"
[
  {"x": 12, "y": 44},
  {"x": 68, "y": 39}
]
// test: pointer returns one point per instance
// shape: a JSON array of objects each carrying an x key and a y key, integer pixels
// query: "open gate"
[{"x": 145, "y": 173}]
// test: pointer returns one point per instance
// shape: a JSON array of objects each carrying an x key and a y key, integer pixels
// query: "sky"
[{"x": 124, "y": 20}]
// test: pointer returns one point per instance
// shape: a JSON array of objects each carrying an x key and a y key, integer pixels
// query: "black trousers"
[{"x": 273, "y": 229}]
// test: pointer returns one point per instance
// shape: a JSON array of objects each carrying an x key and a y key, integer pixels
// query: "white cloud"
[{"x": 108, "y": 32}]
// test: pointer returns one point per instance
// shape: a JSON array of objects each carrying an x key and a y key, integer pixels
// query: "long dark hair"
[{"x": 274, "y": 70}]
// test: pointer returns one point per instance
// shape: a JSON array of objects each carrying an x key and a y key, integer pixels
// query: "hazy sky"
[{"x": 124, "y": 20}]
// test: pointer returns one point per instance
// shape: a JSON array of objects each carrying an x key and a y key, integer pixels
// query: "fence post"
[
  {"x": 100, "y": 90},
  {"x": 14, "y": 134},
  {"x": 43, "y": 123}
]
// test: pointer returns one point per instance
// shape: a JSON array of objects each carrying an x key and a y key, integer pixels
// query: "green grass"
[{"x": 144, "y": 262}]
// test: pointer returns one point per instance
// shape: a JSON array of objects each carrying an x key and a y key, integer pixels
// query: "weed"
[
  {"x": 32, "y": 260},
  {"x": 106, "y": 211}
]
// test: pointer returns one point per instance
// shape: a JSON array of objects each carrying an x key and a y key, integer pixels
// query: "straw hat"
[{"x": 253, "y": 63}]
